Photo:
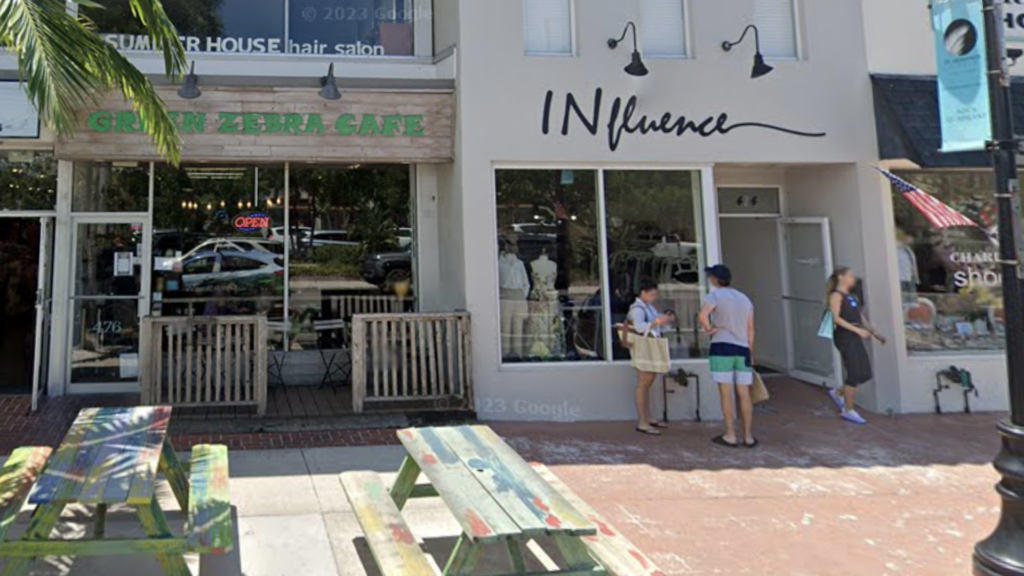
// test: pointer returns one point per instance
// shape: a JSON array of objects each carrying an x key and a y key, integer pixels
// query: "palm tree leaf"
[{"x": 65, "y": 66}]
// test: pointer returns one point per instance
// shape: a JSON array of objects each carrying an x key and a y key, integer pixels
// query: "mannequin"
[
  {"x": 545, "y": 326},
  {"x": 515, "y": 286},
  {"x": 907, "y": 260}
]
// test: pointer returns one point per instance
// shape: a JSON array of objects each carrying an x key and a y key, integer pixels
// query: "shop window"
[
  {"x": 777, "y": 25},
  {"x": 663, "y": 27},
  {"x": 950, "y": 278},
  {"x": 213, "y": 245},
  {"x": 354, "y": 255},
  {"x": 28, "y": 180},
  {"x": 549, "y": 266},
  {"x": 358, "y": 28},
  {"x": 109, "y": 187},
  {"x": 547, "y": 27}
]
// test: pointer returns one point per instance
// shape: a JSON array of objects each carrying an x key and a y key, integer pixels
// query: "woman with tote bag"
[{"x": 648, "y": 350}]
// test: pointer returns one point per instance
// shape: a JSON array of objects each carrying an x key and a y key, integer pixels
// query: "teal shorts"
[{"x": 730, "y": 364}]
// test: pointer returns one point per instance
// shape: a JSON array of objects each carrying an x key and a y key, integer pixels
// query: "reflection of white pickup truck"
[{"x": 672, "y": 246}]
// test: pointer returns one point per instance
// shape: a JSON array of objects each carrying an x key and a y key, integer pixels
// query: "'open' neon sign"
[{"x": 252, "y": 222}]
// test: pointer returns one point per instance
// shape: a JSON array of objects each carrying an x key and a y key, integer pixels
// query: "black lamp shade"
[
  {"x": 330, "y": 86},
  {"x": 636, "y": 67},
  {"x": 190, "y": 89},
  {"x": 760, "y": 67}
]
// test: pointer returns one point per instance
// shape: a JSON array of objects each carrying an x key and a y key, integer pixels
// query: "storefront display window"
[
  {"x": 654, "y": 231},
  {"x": 110, "y": 187},
  {"x": 549, "y": 266},
  {"x": 950, "y": 278},
  {"x": 214, "y": 248},
  {"x": 357, "y": 28},
  {"x": 28, "y": 180},
  {"x": 352, "y": 253}
]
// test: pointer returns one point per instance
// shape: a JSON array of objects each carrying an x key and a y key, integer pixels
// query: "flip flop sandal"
[
  {"x": 753, "y": 444},
  {"x": 721, "y": 441},
  {"x": 658, "y": 425},
  {"x": 648, "y": 431}
]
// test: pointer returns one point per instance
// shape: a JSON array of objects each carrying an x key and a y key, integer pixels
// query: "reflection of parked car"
[
  {"x": 536, "y": 229},
  {"x": 238, "y": 245},
  {"x": 298, "y": 233},
  {"x": 404, "y": 238},
  {"x": 383, "y": 270},
  {"x": 329, "y": 238},
  {"x": 245, "y": 272}
]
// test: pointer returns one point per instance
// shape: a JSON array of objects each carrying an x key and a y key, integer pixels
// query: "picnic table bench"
[
  {"x": 498, "y": 500},
  {"x": 113, "y": 456}
]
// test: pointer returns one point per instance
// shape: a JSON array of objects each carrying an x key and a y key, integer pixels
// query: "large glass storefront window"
[
  {"x": 218, "y": 246},
  {"x": 550, "y": 260},
  {"x": 111, "y": 187},
  {"x": 28, "y": 180},
  {"x": 353, "y": 253},
  {"x": 950, "y": 278},
  {"x": 356, "y": 28}
]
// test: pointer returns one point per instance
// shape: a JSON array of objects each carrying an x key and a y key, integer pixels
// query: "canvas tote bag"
[
  {"x": 649, "y": 354},
  {"x": 759, "y": 392}
]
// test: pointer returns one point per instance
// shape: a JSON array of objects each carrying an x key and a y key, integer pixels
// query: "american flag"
[{"x": 937, "y": 212}]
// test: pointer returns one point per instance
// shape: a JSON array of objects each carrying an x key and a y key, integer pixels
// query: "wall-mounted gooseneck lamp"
[
  {"x": 636, "y": 66},
  {"x": 190, "y": 89},
  {"x": 760, "y": 68},
  {"x": 330, "y": 86}
]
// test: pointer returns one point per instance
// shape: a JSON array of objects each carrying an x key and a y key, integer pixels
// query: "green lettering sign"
[{"x": 104, "y": 121}]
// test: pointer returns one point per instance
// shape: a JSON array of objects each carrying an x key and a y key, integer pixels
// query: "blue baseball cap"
[{"x": 719, "y": 271}]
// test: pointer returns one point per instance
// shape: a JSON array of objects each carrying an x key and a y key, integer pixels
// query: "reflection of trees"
[
  {"x": 102, "y": 187},
  {"x": 564, "y": 202},
  {"x": 190, "y": 17},
  {"x": 371, "y": 203},
  {"x": 645, "y": 205},
  {"x": 28, "y": 185}
]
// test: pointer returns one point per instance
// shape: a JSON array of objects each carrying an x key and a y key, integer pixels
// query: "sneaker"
[
  {"x": 837, "y": 398},
  {"x": 853, "y": 416}
]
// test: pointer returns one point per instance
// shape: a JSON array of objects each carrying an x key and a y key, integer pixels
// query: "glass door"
[
  {"x": 807, "y": 264},
  {"x": 44, "y": 300},
  {"x": 109, "y": 276}
]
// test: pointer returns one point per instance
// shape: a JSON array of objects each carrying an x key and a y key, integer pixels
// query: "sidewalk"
[{"x": 907, "y": 495}]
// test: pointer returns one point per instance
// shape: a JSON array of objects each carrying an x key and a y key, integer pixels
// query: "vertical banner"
[{"x": 960, "y": 52}]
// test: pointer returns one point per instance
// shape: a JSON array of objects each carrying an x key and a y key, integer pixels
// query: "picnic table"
[
  {"x": 114, "y": 456},
  {"x": 498, "y": 499}
]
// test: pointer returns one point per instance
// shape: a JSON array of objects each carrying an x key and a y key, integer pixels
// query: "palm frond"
[{"x": 65, "y": 66}]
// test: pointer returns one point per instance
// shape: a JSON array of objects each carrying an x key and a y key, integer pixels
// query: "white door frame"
[
  {"x": 826, "y": 232},
  {"x": 142, "y": 299},
  {"x": 44, "y": 300}
]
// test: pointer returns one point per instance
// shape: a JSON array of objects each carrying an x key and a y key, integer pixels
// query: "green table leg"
[
  {"x": 44, "y": 520},
  {"x": 153, "y": 520},
  {"x": 575, "y": 553},
  {"x": 175, "y": 474},
  {"x": 464, "y": 558},
  {"x": 99, "y": 529},
  {"x": 405, "y": 482},
  {"x": 515, "y": 555}
]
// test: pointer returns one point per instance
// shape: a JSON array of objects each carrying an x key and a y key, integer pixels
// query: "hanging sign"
[
  {"x": 249, "y": 223},
  {"x": 964, "y": 109}
]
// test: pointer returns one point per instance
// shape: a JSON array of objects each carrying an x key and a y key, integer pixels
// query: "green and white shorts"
[{"x": 730, "y": 364}]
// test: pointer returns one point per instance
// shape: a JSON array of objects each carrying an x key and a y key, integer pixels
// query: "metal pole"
[{"x": 1002, "y": 553}]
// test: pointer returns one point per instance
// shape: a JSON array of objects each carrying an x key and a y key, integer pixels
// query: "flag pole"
[{"x": 1002, "y": 553}]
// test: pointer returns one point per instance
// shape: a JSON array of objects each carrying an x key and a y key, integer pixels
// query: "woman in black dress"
[{"x": 851, "y": 330}]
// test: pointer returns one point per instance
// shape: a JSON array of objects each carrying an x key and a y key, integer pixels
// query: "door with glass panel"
[
  {"x": 807, "y": 264},
  {"x": 109, "y": 273}
]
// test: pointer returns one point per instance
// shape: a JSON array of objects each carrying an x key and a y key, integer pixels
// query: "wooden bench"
[
  {"x": 609, "y": 547},
  {"x": 16, "y": 479},
  {"x": 392, "y": 542},
  {"x": 210, "y": 529}
]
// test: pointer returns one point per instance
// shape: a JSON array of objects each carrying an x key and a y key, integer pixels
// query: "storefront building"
[{"x": 492, "y": 157}]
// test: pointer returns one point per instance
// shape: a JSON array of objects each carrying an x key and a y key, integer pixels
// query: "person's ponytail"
[{"x": 833, "y": 281}]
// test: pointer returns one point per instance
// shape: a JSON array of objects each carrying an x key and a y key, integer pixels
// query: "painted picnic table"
[
  {"x": 496, "y": 496},
  {"x": 113, "y": 456}
]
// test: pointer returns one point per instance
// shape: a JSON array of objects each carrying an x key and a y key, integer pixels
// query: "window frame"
[
  {"x": 707, "y": 226},
  {"x": 687, "y": 39},
  {"x": 573, "y": 49},
  {"x": 798, "y": 35}
]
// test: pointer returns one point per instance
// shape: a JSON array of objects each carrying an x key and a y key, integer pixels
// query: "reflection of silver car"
[
  {"x": 329, "y": 238},
  {"x": 243, "y": 271},
  {"x": 238, "y": 245}
]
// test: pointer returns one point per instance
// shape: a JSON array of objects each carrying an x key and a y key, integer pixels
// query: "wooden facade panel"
[{"x": 278, "y": 125}]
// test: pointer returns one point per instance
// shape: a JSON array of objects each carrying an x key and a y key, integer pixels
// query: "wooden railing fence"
[
  {"x": 209, "y": 361},
  {"x": 412, "y": 357}
]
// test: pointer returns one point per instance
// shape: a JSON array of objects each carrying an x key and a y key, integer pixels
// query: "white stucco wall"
[{"x": 501, "y": 104}]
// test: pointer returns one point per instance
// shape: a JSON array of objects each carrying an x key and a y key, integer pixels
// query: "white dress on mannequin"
[
  {"x": 544, "y": 328},
  {"x": 515, "y": 287}
]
